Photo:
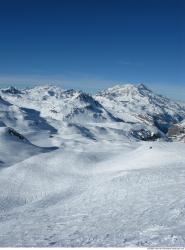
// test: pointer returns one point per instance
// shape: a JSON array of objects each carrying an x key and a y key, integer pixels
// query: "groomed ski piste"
[{"x": 70, "y": 178}]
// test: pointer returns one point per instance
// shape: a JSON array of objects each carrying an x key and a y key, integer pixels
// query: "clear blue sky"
[{"x": 92, "y": 44}]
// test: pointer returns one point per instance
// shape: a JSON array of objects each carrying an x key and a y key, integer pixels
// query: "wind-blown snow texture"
[{"x": 82, "y": 170}]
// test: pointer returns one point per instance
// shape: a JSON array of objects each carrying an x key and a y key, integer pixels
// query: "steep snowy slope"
[
  {"x": 14, "y": 147},
  {"x": 24, "y": 120},
  {"x": 136, "y": 103}
]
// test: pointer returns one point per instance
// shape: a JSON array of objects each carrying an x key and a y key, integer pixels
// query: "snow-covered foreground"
[{"x": 95, "y": 193}]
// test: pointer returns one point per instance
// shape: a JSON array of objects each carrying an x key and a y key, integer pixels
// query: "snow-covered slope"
[
  {"x": 14, "y": 147},
  {"x": 96, "y": 194},
  {"x": 22, "y": 119}
]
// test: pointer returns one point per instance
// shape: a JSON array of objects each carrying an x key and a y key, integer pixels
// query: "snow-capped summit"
[
  {"x": 44, "y": 91},
  {"x": 11, "y": 90},
  {"x": 126, "y": 90},
  {"x": 137, "y": 103}
]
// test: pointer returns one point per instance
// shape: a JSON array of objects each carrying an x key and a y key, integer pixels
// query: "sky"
[{"x": 93, "y": 44}]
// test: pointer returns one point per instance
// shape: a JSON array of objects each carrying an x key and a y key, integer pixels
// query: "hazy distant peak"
[
  {"x": 11, "y": 90},
  {"x": 125, "y": 90}
]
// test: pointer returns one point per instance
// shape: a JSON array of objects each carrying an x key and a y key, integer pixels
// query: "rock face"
[
  {"x": 123, "y": 111},
  {"x": 177, "y": 132},
  {"x": 12, "y": 90}
]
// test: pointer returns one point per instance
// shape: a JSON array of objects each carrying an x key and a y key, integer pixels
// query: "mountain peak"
[
  {"x": 126, "y": 90},
  {"x": 11, "y": 90},
  {"x": 141, "y": 86}
]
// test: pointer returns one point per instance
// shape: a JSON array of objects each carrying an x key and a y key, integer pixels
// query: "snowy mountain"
[
  {"x": 134, "y": 103},
  {"x": 125, "y": 110},
  {"x": 54, "y": 102},
  {"x": 97, "y": 171},
  {"x": 68, "y": 111}
]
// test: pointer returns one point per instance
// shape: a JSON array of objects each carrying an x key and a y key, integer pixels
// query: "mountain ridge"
[{"x": 134, "y": 109}]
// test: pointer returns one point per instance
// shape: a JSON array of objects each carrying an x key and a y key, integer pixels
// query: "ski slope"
[{"x": 96, "y": 194}]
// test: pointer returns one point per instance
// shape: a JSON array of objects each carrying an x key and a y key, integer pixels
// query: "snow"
[
  {"x": 74, "y": 179},
  {"x": 15, "y": 148},
  {"x": 96, "y": 195}
]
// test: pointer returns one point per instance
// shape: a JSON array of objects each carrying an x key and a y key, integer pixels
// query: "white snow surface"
[{"x": 76, "y": 177}]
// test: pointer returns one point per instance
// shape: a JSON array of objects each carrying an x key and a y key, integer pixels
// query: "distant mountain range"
[{"x": 131, "y": 112}]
